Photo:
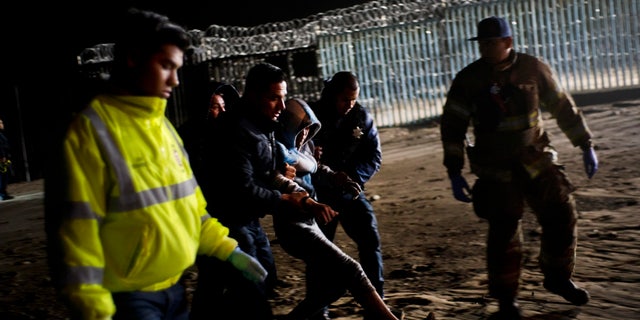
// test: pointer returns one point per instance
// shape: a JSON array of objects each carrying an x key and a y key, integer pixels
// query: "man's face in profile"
[{"x": 272, "y": 101}]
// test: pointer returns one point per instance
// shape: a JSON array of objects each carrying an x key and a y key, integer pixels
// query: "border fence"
[{"x": 407, "y": 52}]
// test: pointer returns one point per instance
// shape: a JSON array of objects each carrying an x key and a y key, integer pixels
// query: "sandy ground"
[{"x": 433, "y": 246}]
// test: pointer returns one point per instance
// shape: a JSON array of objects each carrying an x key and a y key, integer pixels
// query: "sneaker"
[
  {"x": 568, "y": 290},
  {"x": 321, "y": 315}
]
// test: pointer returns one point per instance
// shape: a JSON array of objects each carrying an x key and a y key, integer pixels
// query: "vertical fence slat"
[{"x": 406, "y": 67}]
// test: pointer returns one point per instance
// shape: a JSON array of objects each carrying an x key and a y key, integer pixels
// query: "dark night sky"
[
  {"x": 40, "y": 75},
  {"x": 56, "y": 31},
  {"x": 45, "y": 39}
]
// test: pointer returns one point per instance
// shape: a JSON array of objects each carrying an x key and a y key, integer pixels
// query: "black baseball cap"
[{"x": 492, "y": 28}]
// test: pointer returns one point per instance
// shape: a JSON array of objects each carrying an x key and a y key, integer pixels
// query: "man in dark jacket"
[
  {"x": 502, "y": 95},
  {"x": 238, "y": 186},
  {"x": 349, "y": 144}
]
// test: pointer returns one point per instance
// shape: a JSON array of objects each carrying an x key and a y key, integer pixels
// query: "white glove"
[{"x": 250, "y": 267}]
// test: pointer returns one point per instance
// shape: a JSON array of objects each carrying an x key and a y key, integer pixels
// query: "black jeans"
[
  {"x": 223, "y": 292},
  {"x": 170, "y": 303}
]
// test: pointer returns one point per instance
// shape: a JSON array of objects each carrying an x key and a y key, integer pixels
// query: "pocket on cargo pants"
[{"x": 497, "y": 200}]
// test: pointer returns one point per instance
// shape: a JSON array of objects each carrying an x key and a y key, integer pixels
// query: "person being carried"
[
  {"x": 131, "y": 217},
  {"x": 502, "y": 95},
  {"x": 298, "y": 231}
]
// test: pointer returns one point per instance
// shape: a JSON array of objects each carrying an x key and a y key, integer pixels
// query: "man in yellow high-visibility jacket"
[{"x": 132, "y": 218}]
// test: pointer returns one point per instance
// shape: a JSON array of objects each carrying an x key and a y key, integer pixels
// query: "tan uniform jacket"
[{"x": 504, "y": 104}]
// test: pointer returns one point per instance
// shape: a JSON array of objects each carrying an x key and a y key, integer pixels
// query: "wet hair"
[
  {"x": 144, "y": 33},
  {"x": 261, "y": 76},
  {"x": 340, "y": 81}
]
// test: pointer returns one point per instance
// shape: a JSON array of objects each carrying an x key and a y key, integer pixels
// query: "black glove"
[
  {"x": 353, "y": 188},
  {"x": 346, "y": 184},
  {"x": 460, "y": 187}
]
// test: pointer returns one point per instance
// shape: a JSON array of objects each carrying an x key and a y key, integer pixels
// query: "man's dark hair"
[
  {"x": 144, "y": 33},
  {"x": 261, "y": 76},
  {"x": 340, "y": 81}
]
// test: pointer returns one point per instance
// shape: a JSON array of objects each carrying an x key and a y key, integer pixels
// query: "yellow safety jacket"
[{"x": 135, "y": 217}]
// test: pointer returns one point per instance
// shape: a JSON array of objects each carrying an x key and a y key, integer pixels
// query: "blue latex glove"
[
  {"x": 460, "y": 187},
  {"x": 590, "y": 160},
  {"x": 250, "y": 267}
]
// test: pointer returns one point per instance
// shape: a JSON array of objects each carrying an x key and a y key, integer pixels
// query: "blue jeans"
[{"x": 168, "y": 304}]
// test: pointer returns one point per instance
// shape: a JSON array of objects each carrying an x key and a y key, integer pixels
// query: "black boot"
[
  {"x": 568, "y": 290},
  {"x": 509, "y": 310}
]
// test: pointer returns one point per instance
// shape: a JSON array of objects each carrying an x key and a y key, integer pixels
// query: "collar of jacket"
[
  {"x": 139, "y": 106},
  {"x": 254, "y": 116}
]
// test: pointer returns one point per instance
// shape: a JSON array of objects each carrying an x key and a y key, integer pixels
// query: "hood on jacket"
[{"x": 296, "y": 116}]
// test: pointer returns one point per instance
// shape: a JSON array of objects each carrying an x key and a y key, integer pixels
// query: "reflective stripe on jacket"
[{"x": 136, "y": 217}]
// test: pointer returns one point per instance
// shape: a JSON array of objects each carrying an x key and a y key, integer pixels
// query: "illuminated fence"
[
  {"x": 406, "y": 68},
  {"x": 407, "y": 52}
]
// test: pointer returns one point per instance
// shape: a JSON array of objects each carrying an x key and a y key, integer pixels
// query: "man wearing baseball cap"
[{"x": 502, "y": 95}]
